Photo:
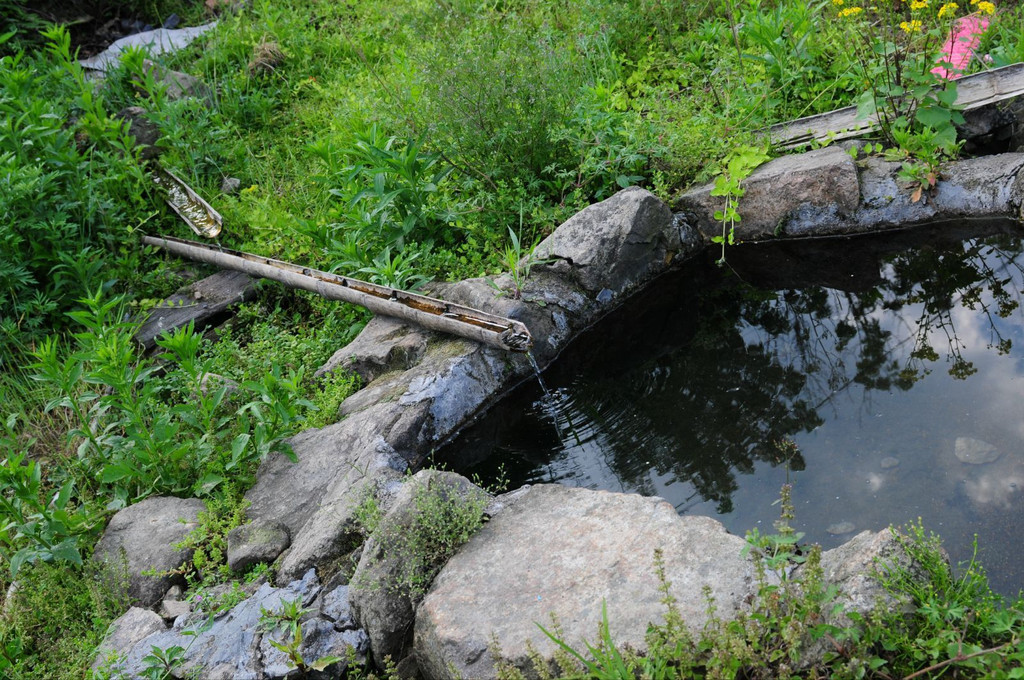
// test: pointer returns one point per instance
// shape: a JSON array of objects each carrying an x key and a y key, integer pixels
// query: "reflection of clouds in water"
[
  {"x": 997, "y": 485},
  {"x": 998, "y": 388}
]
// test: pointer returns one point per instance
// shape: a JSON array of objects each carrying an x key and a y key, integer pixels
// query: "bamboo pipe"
[{"x": 430, "y": 313}]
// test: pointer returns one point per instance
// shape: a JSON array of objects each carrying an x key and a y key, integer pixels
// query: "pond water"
[{"x": 881, "y": 376}]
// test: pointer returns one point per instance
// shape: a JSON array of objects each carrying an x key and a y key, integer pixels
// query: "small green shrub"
[
  {"x": 208, "y": 542},
  {"x": 138, "y": 434},
  {"x": 330, "y": 393},
  {"x": 442, "y": 519}
]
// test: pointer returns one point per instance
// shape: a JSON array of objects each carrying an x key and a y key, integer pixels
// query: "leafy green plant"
[
  {"x": 34, "y": 526},
  {"x": 133, "y": 441},
  {"x": 333, "y": 389},
  {"x": 288, "y": 620},
  {"x": 729, "y": 184},
  {"x": 208, "y": 541},
  {"x": 610, "y": 146},
  {"x": 441, "y": 519},
  {"x": 395, "y": 271},
  {"x": 72, "y": 192},
  {"x": 55, "y": 617},
  {"x": 897, "y": 49},
  {"x": 518, "y": 261},
  {"x": 389, "y": 188},
  {"x": 160, "y": 664}
]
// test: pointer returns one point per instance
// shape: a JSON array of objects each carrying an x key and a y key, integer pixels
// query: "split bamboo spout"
[{"x": 430, "y": 313}]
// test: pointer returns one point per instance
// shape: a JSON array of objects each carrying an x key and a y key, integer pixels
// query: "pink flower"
[{"x": 959, "y": 47}]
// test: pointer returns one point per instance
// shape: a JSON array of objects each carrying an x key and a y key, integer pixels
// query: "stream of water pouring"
[
  {"x": 550, "y": 400},
  {"x": 536, "y": 369}
]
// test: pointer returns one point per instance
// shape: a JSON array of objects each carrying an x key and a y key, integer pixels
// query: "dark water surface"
[{"x": 888, "y": 361}]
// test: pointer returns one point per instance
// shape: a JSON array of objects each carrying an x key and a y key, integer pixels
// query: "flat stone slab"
[
  {"x": 569, "y": 552},
  {"x": 157, "y": 41},
  {"x": 205, "y": 302},
  {"x": 971, "y": 451}
]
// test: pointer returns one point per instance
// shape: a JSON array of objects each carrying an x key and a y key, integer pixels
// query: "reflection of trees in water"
[
  {"x": 761, "y": 364},
  {"x": 889, "y": 331},
  {"x": 702, "y": 402},
  {"x": 702, "y": 414}
]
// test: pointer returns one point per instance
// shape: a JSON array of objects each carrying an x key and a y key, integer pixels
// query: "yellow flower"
[
  {"x": 838, "y": 3},
  {"x": 948, "y": 9},
  {"x": 918, "y": 4},
  {"x": 986, "y": 7},
  {"x": 910, "y": 26},
  {"x": 850, "y": 11}
]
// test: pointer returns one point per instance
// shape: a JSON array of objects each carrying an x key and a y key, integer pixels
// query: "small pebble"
[{"x": 889, "y": 462}]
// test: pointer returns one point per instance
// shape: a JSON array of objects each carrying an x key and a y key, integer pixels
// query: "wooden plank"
[
  {"x": 973, "y": 91},
  {"x": 205, "y": 302}
]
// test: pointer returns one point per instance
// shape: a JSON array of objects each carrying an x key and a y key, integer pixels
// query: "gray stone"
[
  {"x": 125, "y": 632},
  {"x": 852, "y": 566},
  {"x": 335, "y": 607},
  {"x": 172, "y": 609},
  {"x": 317, "y": 497},
  {"x": 255, "y": 542},
  {"x": 615, "y": 244},
  {"x": 381, "y": 603},
  {"x": 230, "y": 186},
  {"x": 889, "y": 462},
  {"x": 971, "y": 451},
  {"x": 384, "y": 345},
  {"x": 569, "y": 552},
  {"x": 145, "y": 132},
  {"x": 145, "y": 534},
  {"x": 157, "y": 42},
  {"x": 824, "y": 180},
  {"x": 824, "y": 192},
  {"x": 236, "y": 646}
]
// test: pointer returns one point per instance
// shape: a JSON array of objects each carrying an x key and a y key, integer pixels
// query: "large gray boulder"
[
  {"x": 820, "y": 181},
  {"x": 142, "y": 538},
  {"x": 569, "y": 552},
  {"x": 383, "y": 602},
  {"x": 615, "y": 244},
  {"x": 825, "y": 192}
]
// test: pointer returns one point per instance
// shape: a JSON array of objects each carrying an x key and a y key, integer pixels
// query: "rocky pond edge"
[{"x": 546, "y": 549}]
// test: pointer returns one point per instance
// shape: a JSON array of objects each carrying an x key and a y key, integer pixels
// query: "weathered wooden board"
[
  {"x": 205, "y": 302},
  {"x": 973, "y": 91}
]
